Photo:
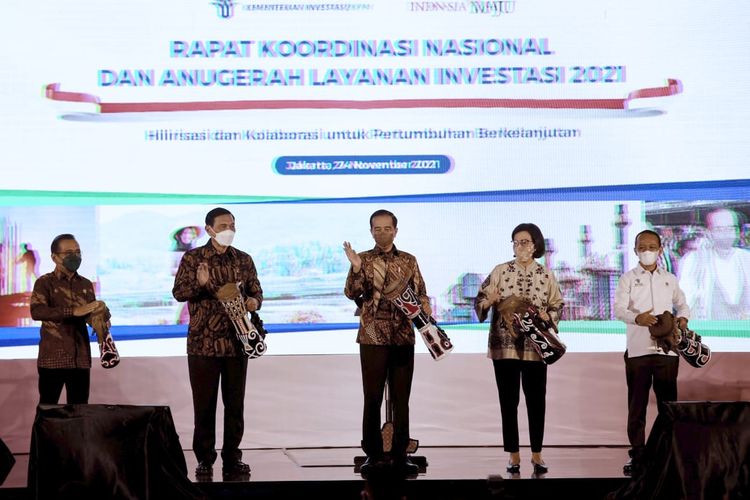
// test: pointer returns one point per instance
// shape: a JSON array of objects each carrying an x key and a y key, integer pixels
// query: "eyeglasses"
[{"x": 521, "y": 243}]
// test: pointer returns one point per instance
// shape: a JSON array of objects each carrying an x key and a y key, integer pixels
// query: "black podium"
[
  {"x": 696, "y": 450},
  {"x": 107, "y": 451}
]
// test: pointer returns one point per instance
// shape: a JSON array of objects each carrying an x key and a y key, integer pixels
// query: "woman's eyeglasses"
[{"x": 521, "y": 243}]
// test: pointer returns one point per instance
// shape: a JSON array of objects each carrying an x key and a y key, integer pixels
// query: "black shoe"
[
  {"x": 627, "y": 469},
  {"x": 237, "y": 468},
  {"x": 406, "y": 467},
  {"x": 368, "y": 465},
  {"x": 204, "y": 469},
  {"x": 539, "y": 468},
  {"x": 513, "y": 468},
  {"x": 635, "y": 464}
]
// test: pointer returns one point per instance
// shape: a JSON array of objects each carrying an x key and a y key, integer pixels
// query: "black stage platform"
[{"x": 587, "y": 472}]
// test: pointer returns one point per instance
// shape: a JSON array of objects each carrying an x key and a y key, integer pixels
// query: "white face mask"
[
  {"x": 648, "y": 258},
  {"x": 225, "y": 237},
  {"x": 525, "y": 254}
]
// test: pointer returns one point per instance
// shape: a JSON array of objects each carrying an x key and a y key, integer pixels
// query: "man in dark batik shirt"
[
  {"x": 385, "y": 337},
  {"x": 215, "y": 355},
  {"x": 63, "y": 300}
]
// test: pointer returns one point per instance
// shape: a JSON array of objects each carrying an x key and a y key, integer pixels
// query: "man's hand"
[
  {"x": 202, "y": 273},
  {"x": 646, "y": 318},
  {"x": 89, "y": 308},
  {"x": 252, "y": 304},
  {"x": 353, "y": 257}
]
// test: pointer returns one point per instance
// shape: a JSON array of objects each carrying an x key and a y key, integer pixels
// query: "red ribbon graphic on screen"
[{"x": 53, "y": 92}]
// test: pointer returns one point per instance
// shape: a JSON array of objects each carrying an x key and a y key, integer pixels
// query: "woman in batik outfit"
[{"x": 513, "y": 357}]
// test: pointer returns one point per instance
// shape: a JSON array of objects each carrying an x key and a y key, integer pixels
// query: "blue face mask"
[{"x": 72, "y": 262}]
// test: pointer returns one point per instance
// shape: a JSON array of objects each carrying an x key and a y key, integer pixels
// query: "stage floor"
[{"x": 452, "y": 472}]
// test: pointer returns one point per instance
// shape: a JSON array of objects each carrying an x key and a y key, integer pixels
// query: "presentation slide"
[{"x": 124, "y": 123}]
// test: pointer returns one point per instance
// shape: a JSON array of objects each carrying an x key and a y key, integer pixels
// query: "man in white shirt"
[
  {"x": 716, "y": 279},
  {"x": 642, "y": 293}
]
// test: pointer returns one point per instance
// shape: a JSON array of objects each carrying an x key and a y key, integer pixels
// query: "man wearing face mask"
[
  {"x": 385, "y": 337},
  {"x": 215, "y": 355},
  {"x": 63, "y": 300},
  {"x": 642, "y": 293}
]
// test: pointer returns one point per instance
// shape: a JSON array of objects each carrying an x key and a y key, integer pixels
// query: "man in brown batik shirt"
[
  {"x": 215, "y": 355},
  {"x": 63, "y": 300},
  {"x": 385, "y": 337}
]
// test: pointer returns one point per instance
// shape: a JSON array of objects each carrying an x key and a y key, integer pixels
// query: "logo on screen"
[
  {"x": 492, "y": 8},
  {"x": 224, "y": 8}
]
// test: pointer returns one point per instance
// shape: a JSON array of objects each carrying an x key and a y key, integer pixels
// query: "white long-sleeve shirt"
[{"x": 637, "y": 292}]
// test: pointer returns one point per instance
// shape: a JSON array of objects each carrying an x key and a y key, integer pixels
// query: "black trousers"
[
  {"x": 206, "y": 374},
  {"x": 640, "y": 373},
  {"x": 77, "y": 382},
  {"x": 394, "y": 364},
  {"x": 510, "y": 374}
]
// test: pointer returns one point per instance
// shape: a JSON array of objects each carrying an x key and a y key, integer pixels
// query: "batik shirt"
[
  {"x": 64, "y": 338},
  {"x": 536, "y": 284},
  {"x": 380, "y": 322},
  {"x": 210, "y": 332}
]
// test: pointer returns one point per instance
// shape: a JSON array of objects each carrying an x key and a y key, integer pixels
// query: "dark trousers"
[
  {"x": 77, "y": 382},
  {"x": 640, "y": 373},
  {"x": 394, "y": 364},
  {"x": 206, "y": 374},
  {"x": 510, "y": 374}
]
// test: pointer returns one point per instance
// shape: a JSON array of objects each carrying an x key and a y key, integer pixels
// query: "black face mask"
[{"x": 72, "y": 262}]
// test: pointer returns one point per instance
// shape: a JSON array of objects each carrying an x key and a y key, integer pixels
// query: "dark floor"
[{"x": 451, "y": 473}]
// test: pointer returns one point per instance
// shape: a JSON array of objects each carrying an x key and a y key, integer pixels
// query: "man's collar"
[
  {"x": 379, "y": 251},
  {"x": 209, "y": 246},
  {"x": 62, "y": 275},
  {"x": 658, "y": 270}
]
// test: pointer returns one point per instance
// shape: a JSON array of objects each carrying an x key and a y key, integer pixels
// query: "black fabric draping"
[
  {"x": 107, "y": 451},
  {"x": 696, "y": 451},
  {"x": 6, "y": 461}
]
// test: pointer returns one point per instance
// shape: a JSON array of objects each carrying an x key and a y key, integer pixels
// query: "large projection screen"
[{"x": 125, "y": 122}]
